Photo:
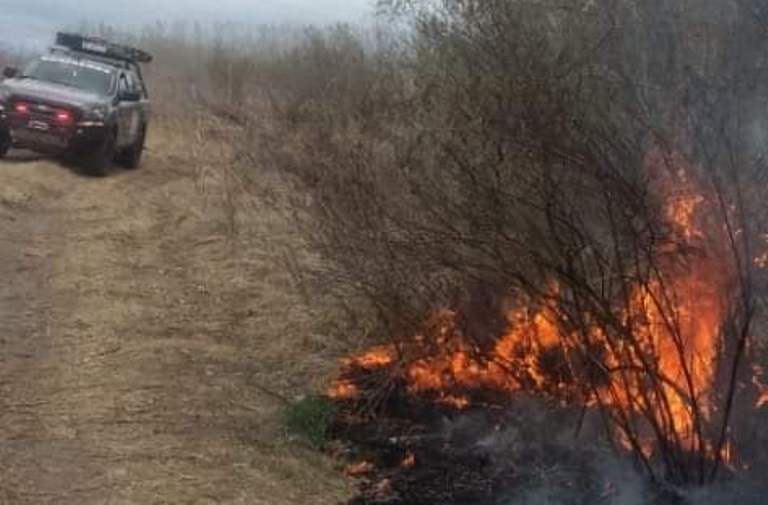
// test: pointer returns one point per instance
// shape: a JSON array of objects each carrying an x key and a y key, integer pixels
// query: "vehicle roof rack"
[{"x": 99, "y": 47}]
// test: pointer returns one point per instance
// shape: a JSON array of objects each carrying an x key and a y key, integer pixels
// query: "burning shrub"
[{"x": 571, "y": 195}]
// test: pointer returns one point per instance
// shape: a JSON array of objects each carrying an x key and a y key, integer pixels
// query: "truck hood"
[{"x": 49, "y": 92}]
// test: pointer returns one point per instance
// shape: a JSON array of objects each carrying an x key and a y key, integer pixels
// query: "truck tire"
[
  {"x": 5, "y": 143},
  {"x": 100, "y": 158},
  {"x": 131, "y": 157}
]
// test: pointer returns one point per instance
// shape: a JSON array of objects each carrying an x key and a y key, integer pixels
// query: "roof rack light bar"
[{"x": 100, "y": 47}]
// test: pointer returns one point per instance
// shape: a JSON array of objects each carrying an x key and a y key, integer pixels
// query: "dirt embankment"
[{"x": 135, "y": 335}]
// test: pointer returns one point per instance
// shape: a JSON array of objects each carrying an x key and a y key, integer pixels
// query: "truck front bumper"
[{"x": 50, "y": 138}]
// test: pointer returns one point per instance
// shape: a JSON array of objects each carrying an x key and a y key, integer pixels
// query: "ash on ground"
[{"x": 530, "y": 452}]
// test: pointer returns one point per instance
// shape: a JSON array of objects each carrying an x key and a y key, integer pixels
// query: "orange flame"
[
  {"x": 359, "y": 469},
  {"x": 762, "y": 389},
  {"x": 409, "y": 461},
  {"x": 674, "y": 318},
  {"x": 763, "y": 400},
  {"x": 343, "y": 389}
]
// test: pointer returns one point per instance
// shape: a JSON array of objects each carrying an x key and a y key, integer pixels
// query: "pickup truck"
[{"x": 85, "y": 99}]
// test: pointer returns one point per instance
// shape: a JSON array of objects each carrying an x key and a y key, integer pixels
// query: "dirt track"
[{"x": 133, "y": 336}]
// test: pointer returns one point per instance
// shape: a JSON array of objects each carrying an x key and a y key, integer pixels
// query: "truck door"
[
  {"x": 127, "y": 111},
  {"x": 123, "y": 110},
  {"x": 137, "y": 114}
]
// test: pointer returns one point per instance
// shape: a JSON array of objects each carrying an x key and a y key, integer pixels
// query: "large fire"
[{"x": 659, "y": 359}]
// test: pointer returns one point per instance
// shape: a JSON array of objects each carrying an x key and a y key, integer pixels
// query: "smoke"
[
  {"x": 735, "y": 491},
  {"x": 544, "y": 459},
  {"x": 548, "y": 457}
]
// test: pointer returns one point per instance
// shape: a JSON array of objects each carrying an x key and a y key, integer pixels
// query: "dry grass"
[{"x": 145, "y": 340}]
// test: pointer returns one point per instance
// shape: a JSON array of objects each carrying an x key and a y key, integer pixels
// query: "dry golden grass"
[{"x": 147, "y": 326}]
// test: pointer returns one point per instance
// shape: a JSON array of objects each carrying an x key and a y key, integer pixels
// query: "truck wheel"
[
  {"x": 131, "y": 157},
  {"x": 99, "y": 160},
  {"x": 5, "y": 143}
]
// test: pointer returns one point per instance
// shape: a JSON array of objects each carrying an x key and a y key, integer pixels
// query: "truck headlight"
[
  {"x": 98, "y": 113},
  {"x": 94, "y": 116}
]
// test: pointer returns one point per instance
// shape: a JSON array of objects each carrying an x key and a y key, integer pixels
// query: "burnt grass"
[
  {"x": 525, "y": 450},
  {"x": 424, "y": 452}
]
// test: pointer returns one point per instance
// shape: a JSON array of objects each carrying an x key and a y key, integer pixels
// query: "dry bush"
[
  {"x": 506, "y": 148},
  {"x": 498, "y": 148}
]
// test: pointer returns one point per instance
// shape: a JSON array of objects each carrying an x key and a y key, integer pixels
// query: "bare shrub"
[
  {"x": 603, "y": 162},
  {"x": 513, "y": 146}
]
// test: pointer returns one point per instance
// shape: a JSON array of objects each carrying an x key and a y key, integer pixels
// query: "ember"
[
  {"x": 359, "y": 469},
  {"x": 409, "y": 461}
]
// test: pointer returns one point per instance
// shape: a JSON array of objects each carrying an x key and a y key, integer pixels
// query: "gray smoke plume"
[{"x": 556, "y": 457}]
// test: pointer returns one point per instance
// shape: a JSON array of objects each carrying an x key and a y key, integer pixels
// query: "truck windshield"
[{"x": 71, "y": 73}]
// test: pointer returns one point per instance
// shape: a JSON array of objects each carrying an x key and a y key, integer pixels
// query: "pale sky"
[{"x": 32, "y": 22}]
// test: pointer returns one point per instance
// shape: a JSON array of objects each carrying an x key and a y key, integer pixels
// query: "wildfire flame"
[
  {"x": 359, "y": 469},
  {"x": 763, "y": 400},
  {"x": 762, "y": 389},
  {"x": 674, "y": 317}
]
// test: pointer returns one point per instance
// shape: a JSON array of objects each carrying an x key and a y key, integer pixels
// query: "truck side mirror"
[{"x": 10, "y": 72}]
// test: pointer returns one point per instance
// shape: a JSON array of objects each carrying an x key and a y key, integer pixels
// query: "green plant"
[{"x": 309, "y": 419}]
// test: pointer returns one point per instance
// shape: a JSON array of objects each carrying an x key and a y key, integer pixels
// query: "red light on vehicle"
[
  {"x": 63, "y": 116},
  {"x": 22, "y": 108}
]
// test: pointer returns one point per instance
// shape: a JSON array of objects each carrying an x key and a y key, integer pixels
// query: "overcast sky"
[{"x": 31, "y": 22}]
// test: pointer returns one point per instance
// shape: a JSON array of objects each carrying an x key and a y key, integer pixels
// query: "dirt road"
[{"x": 133, "y": 336}]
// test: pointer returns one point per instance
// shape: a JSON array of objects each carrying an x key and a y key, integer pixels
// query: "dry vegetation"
[
  {"x": 151, "y": 337},
  {"x": 495, "y": 151},
  {"x": 500, "y": 148},
  {"x": 147, "y": 351}
]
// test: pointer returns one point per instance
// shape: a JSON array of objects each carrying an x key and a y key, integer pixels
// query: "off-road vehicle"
[{"x": 85, "y": 99}]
